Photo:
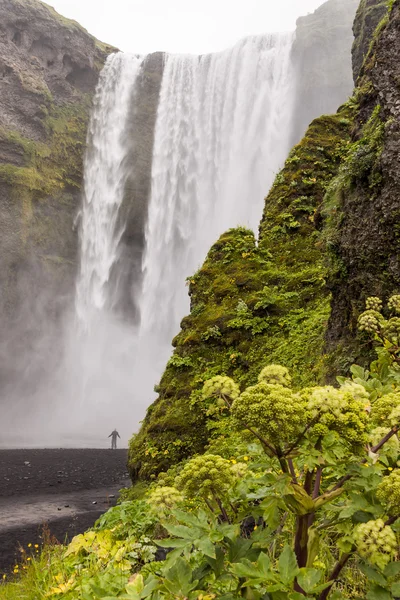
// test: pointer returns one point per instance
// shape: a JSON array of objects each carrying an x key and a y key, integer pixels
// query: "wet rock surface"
[{"x": 65, "y": 489}]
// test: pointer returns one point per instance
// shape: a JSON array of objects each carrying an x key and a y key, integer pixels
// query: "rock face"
[
  {"x": 369, "y": 13},
  {"x": 48, "y": 71},
  {"x": 321, "y": 54},
  {"x": 366, "y": 243}
]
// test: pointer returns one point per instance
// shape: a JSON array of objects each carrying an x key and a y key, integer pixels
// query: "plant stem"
[
  {"x": 335, "y": 574},
  {"x": 317, "y": 483},
  {"x": 301, "y": 540},
  {"x": 291, "y": 469}
]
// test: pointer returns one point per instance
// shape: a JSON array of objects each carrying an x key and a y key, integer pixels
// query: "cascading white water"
[
  {"x": 105, "y": 174},
  {"x": 222, "y": 133}
]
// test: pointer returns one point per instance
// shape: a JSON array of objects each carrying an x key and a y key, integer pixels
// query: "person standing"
[{"x": 113, "y": 435}]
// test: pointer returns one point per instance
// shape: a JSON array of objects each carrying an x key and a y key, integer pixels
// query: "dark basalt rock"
[
  {"x": 367, "y": 239},
  {"x": 369, "y": 13}
]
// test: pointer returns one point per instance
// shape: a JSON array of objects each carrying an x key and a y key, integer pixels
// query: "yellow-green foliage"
[{"x": 251, "y": 304}]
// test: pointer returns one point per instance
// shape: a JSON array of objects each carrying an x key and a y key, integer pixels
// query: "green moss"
[
  {"x": 52, "y": 166},
  {"x": 251, "y": 303}
]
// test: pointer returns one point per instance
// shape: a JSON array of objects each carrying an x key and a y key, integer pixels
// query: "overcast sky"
[{"x": 184, "y": 26}]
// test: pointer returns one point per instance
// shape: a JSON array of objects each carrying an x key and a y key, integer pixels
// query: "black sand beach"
[{"x": 66, "y": 489}]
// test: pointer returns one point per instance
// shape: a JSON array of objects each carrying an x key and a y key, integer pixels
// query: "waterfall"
[
  {"x": 222, "y": 134},
  {"x": 105, "y": 174}
]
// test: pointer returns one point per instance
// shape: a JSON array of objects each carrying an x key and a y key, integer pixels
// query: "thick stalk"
[{"x": 301, "y": 540}]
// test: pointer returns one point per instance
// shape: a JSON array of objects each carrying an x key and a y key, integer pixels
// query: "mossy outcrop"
[
  {"x": 328, "y": 238},
  {"x": 49, "y": 68},
  {"x": 251, "y": 303}
]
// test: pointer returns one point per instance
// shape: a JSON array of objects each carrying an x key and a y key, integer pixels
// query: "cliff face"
[
  {"x": 369, "y": 14},
  {"x": 321, "y": 54},
  {"x": 366, "y": 242},
  {"x": 48, "y": 70}
]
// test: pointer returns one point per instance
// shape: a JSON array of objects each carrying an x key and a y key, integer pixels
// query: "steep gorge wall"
[
  {"x": 365, "y": 245},
  {"x": 48, "y": 72}
]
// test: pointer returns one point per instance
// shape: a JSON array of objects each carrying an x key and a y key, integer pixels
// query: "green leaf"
[
  {"x": 358, "y": 372},
  {"x": 392, "y": 569},
  {"x": 396, "y": 588},
  {"x": 372, "y": 574},
  {"x": 171, "y": 543},
  {"x": 179, "y": 578},
  {"x": 182, "y": 531},
  {"x": 312, "y": 546},
  {"x": 378, "y": 593},
  {"x": 287, "y": 565},
  {"x": 206, "y": 547},
  {"x": 308, "y": 579}
]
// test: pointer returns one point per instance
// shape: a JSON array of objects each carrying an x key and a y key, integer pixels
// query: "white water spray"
[{"x": 106, "y": 172}]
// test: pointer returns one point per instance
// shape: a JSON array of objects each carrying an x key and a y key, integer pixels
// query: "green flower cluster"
[
  {"x": 275, "y": 374},
  {"x": 389, "y": 491},
  {"x": 376, "y": 542},
  {"x": 239, "y": 469},
  {"x": 391, "y": 330},
  {"x": 377, "y": 434},
  {"x": 370, "y": 321},
  {"x": 394, "y": 417},
  {"x": 357, "y": 390},
  {"x": 340, "y": 411},
  {"x": 394, "y": 303},
  {"x": 383, "y": 409},
  {"x": 219, "y": 387},
  {"x": 374, "y": 303},
  {"x": 205, "y": 476},
  {"x": 164, "y": 498},
  {"x": 275, "y": 411}
]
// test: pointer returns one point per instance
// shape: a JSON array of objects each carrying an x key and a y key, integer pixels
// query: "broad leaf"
[
  {"x": 179, "y": 578},
  {"x": 378, "y": 593},
  {"x": 372, "y": 574},
  {"x": 308, "y": 579},
  {"x": 396, "y": 589},
  {"x": 206, "y": 547},
  {"x": 287, "y": 565},
  {"x": 392, "y": 569}
]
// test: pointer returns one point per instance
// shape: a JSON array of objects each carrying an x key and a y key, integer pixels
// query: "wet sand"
[{"x": 66, "y": 489}]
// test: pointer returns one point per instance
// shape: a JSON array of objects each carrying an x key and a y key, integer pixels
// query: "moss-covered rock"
[{"x": 251, "y": 303}]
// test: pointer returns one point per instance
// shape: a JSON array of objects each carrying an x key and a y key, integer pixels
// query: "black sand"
[{"x": 67, "y": 489}]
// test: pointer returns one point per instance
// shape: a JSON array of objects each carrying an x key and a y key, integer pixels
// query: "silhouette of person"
[{"x": 113, "y": 435}]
